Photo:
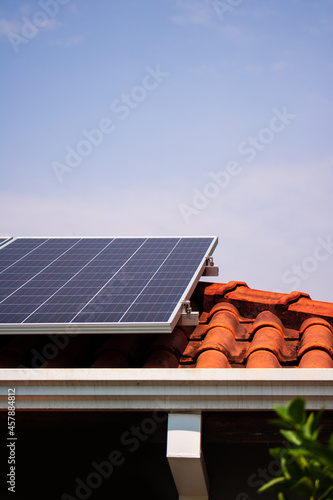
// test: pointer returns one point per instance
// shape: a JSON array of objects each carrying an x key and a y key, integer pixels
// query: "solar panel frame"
[
  {"x": 5, "y": 239},
  {"x": 165, "y": 326}
]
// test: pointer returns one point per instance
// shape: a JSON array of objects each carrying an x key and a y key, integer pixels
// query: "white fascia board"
[{"x": 192, "y": 390}]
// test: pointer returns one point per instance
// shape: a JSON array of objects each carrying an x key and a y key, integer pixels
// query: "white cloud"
[
  {"x": 194, "y": 12},
  {"x": 26, "y": 12},
  {"x": 7, "y": 26},
  {"x": 138, "y": 210}
]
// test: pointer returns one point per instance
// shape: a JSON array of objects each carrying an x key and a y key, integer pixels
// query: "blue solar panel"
[
  {"x": 4, "y": 240},
  {"x": 111, "y": 282}
]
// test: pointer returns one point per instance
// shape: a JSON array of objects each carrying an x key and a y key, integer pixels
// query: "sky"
[{"x": 175, "y": 117}]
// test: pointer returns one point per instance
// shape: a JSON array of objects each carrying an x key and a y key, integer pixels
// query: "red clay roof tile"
[
  {"x": 316, "y": 359},
  {"x": 220, "y": 339},
  {"x": 162, "y": 359},
  {"x": 270, "y": 339},
  {"x": 258, "y": 329},
  {"x": 212, "y": 359},
  {"x": 316, "y": 334},
  {"x": 267, "y": 319},
  {"x": 262, "y": 359},
  {"x": 167, "y": 349},
  {"x": 292, "y": 309},
  {"x": 116, "y": 352}
]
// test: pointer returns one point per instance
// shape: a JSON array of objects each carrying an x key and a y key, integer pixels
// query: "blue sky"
[{"x": 175, "y": 117}]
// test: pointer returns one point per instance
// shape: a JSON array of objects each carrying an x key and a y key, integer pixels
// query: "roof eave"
[{"x": 165, "y": 389}]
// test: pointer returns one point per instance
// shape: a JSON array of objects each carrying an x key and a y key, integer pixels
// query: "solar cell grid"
[
  {"x": 54, "y": 279},
  {"x": 28, "y": 266},
  {"x": 69, "y": 281},
  {"x": 168, "y": 282},
  {"x": 136, "y": 273},
  {"x": 14, "y": 252}
]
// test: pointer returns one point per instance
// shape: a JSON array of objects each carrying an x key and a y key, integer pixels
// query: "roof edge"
[{"x": 165, "y": 389}]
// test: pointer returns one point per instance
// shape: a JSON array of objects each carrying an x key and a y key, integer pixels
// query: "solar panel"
[
  {"x": 4, "y": 240},
  {"x": 98, "y": 285}
]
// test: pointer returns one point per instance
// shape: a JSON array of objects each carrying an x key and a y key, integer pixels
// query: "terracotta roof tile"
[
  {"x": 167, "y": 349},
  {"x": 221, "y": 339},
  {"x": 162, "y": 359},
  {"x": 262, "y": 359},
  {"x": 292, "y": 309},
  {"x": 316, "y": 346},
  {"x": 212, "y": 359},
  {"x": 116, "y": 352},
  {"x": 239, "y": 327},
  {"x": 257, "y": 329},
  {"x": 316, "y": 359},
  {"x": 270, "y": 339}
]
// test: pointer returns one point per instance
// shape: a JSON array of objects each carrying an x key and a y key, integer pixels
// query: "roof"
[
  {"x": 242, "y": 327},
  {"x": 239, "y": 328}
]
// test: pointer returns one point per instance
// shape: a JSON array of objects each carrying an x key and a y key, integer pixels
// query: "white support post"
[{"x": 185, "y": 456}]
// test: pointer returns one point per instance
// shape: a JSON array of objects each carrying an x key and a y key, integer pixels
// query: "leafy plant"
[{"x": 306, "y": 464}]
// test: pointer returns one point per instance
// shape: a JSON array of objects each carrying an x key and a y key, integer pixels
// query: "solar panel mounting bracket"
[
  {"x": 210, "y": 269},
  {"x": 188, "y": 317}
]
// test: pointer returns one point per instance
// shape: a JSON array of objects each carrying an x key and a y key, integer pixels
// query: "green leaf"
[
  {"x": 297, "y": 468},
  {"x": 287, "y": 424},
  {"x": 306, "y": 463},
  {"x": 303, "y": 487},
  {"x": 282, "y": 411},
  {"x": 277, "y": 453},
  {"x": 302, "y": 462},
  {"x": 291, "y": 436},
  {"x": 284, "y": 468},
  {"x": 275, "y": 484},
  {"x": 307, "y": 427},
  {"x": 296, "y": 410},
  {"x": 321, "y": 452},
  {"x": 325, "y": 495},
  {"x": 330, "y": 441},
  {"x": 317, "y": 419},
  {"x": 301, "y": 454}
]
